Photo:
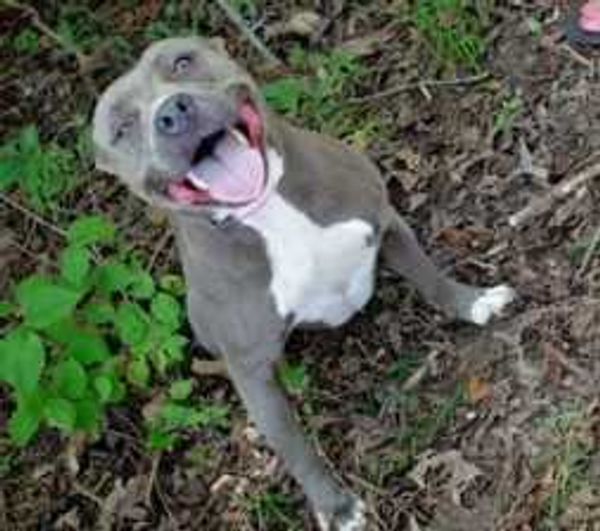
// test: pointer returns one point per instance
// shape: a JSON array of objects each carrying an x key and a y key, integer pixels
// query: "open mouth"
[{"x": 228, "y": 166}]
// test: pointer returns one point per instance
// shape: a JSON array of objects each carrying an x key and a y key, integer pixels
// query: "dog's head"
[{"x": 185, "y": 128}]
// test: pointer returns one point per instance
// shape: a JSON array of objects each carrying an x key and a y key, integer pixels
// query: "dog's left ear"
[{"x": 218, "y": 44}]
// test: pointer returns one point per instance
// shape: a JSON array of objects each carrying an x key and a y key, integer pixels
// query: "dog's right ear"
[{"x": 218, "y": 44}]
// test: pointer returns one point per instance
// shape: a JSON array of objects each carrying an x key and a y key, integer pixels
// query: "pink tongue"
[
  {"x": 234, "y": 173},
  {"x": 590, "y": 16}
]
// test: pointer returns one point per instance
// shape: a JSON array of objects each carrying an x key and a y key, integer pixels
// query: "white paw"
[
  {"x": 490, "y": 303},
  {"x": 354, "y": 520}
]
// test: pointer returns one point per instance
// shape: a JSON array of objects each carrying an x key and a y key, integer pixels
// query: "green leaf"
[
  {"x": 75, "y": 265},
  {"x": 173, "y": 284},
  {"x": 25, "y": 420},
  {"x": 87, "y": 347},
  {"x": 10, "y": 170},
  {"x": 114, "y": 277},
  {"x": 104, "y": 387},
  {"x": 181, "y": 389},
  {"x": 173, "y": 347},
  {"x": 285, "y": 95},
  {"x": 61, "y": 414},
  {"x": 176, "y": 416},
  {"x": 138, "y": 372},
  {"x": 91, "y": 230},
  {"x": 44, "y": 302},
  {"x": 294, "y": 378},
  {"x": 70, "y": 379},
  {"x": 22, "y": 359},
  {"x": 88, "y": 415},
  {"x": 99, "y": 312},
  {"x": 132, "y": 323},
  {"x": 142, "y": 285},
  {"x": 160, "y": 441},
  {"x": 167, "y": 310},
  {"x": 6, "y": 309},
  {"x": 29, "y": 140}
]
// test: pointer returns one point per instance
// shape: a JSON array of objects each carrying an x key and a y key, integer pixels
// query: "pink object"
[
  {"x": 590, "y": 17},
  {"x": 234, "y": 173}
]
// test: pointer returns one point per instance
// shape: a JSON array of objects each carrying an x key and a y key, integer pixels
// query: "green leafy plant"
[
  {"x": 293, "y": 377},
  {"x": 43, "y": 172},
  {"x": 453, "y": 29},
  {"x": 26, "y": 41},
  {"x": 316, "y": 95},
  {"x": 273, "y": 510},
  {"x": 175, "y": 415},
  {"x": 176, "y": 20},
  {"x": 79, "y": 340},
  {"x": 567, "y": 461},
  {"x": 505, "y": 118}
]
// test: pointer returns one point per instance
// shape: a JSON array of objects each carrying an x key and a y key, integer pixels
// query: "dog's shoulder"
[{"x": 329, "y": 180}]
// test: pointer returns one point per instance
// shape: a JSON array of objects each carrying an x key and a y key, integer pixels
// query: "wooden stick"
[
  {"x": 560, "y": 191},
  {"x": 32, "y": 215},
  {"x": 237, "y": 20},
  {"x": 424, "y": 84},
  {"x": 209, "y": 368}
]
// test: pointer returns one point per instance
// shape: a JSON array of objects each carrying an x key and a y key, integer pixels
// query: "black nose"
[{"x": 176, "y": 114}]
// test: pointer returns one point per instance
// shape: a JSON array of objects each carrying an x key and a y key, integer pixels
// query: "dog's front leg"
[
  {"x": 253, "y": 374},
  {"x": 403, "y": 255}
]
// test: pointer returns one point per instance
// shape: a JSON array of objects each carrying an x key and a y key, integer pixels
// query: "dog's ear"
[{"x": 218, "y": 45}]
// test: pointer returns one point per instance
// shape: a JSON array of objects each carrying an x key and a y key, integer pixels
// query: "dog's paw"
[
  {"x": 352, "y": 517},
  {"x": 491, "y": 302}
]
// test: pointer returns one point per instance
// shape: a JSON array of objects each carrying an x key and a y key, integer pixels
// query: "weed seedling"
[
  {"x": 454, "y": 30},
  {"x": 273, "y": 511},
  {"x": 506, "y": 116},
  {"x": 316, "y": 96},
  {"x": 569, "y": 460},
  {"x": 88, "y": 336},
  {"x": 43, "y": 172}
]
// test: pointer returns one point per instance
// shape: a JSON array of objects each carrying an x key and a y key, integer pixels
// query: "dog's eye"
[
  {"x": 182, "y": 64},
  {"x": 122, "y": 130}
]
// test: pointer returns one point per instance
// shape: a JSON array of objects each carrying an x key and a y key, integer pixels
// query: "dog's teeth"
[
  {"x": 238, "y": 136},
  {"x": 197, "y": 182}
]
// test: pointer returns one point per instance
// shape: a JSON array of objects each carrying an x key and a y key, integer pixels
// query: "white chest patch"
[{"x": 319, "y": 274}]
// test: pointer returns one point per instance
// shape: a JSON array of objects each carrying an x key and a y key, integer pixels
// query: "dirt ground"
[{"x": 437, "y": 425}]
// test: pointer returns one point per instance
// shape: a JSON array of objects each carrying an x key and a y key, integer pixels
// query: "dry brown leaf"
[
  {"x": 365, "y": 45},
  {"x": 466, "y": 240},
  {"x": 478, "y": 390},
  {"x": 301, "y": 24},
  {"x": 460, "y": 474}
]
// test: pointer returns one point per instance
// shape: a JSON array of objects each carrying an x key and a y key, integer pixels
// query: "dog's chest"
[{"x": 319, "y": 274}]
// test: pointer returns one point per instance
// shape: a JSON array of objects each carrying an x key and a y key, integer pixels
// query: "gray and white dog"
[{"x": 277, "y": 228}]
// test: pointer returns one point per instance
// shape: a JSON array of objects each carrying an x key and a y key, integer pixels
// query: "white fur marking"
[
  {"x": 319, "y": 274},
  {"x": 492, "y": 302},
  {"x": 356, "y": 522}
]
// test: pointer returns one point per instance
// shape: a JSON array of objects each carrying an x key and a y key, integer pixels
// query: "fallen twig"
[
  {"x": 42, "y": 27},
  {"x": 560, "y": 191},
  {"x": 237, "y": 20},
  {"x": 209, "y": 368},
  {"x": 83, "y": 60},
  {"x": 420, "y": 85},
  {"x": 160, "y": 246},
  {"x": 32, "y": 215}
]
